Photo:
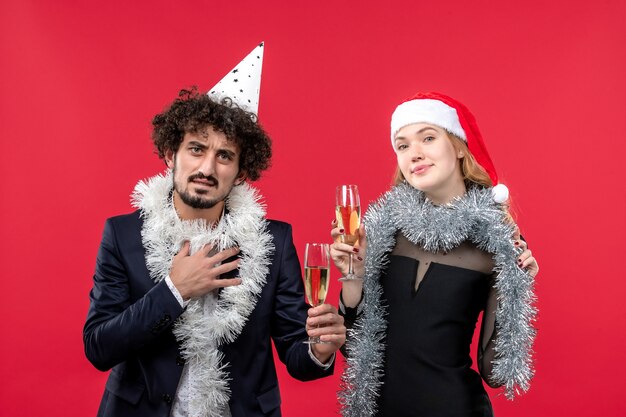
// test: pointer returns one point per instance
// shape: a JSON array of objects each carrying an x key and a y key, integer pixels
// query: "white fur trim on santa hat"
[{"x": 426, "y": 111}]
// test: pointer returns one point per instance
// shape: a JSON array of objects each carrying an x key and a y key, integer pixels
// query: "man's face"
[{"x": 206, "y": 167}]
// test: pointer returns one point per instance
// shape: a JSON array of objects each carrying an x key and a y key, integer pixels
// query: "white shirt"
[{"x": 184, "y": 395}]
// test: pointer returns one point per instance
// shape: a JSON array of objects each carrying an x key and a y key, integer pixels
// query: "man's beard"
[{"x": 198, "y": 201}]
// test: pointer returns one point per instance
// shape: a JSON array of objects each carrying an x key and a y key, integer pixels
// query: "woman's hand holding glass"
[{"x": 340, "y": 254}]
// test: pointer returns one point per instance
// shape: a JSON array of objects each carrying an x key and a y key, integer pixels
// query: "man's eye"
[
  {"x": 224, "y": 155},
  {"x": 195, "y": 149}
]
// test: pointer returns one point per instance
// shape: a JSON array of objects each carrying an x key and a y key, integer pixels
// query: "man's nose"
[{"x": 207, "y": 166}]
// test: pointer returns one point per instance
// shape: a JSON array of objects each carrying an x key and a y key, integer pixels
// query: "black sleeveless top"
[
  {"x": 427, "y": 358},
  {"x": 433, "y": 303}
]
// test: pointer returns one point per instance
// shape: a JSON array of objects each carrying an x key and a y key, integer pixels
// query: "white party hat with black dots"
[{"x": 243, "y": 83}]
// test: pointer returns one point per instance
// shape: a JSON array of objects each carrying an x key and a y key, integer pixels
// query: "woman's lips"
[{"x": 420, "y": 169}]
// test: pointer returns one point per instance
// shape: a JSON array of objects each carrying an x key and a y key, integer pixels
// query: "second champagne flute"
[
  {"x": 348, "y": 214},
  {"x": 316, "y": 277}
]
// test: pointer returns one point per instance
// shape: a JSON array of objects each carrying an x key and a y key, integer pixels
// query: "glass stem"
[{"x": 350, "y": 270}]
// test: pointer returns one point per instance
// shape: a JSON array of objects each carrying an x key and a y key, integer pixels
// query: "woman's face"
[{"x": 429, "y": 161}]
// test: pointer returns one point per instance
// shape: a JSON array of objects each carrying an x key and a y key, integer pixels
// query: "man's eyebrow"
[
  {"x": 227, "y": 150},
  {"x": 196, "y": 143}
]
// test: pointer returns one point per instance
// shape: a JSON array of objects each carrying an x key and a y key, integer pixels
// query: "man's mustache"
[{"x": 200, "y": 176}]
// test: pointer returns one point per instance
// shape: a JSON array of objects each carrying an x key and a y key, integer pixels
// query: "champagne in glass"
[
  {"x": 348, "y": 214},
  {"x": 316, "y": 277},
  {"x": 316, "y": 285}
]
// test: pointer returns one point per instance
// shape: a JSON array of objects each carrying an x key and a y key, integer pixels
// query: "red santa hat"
[{"x": 454, "y": 117}]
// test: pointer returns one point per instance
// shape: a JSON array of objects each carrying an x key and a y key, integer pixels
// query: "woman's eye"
[
  {"x": 402, "y": 146},
  {"x": 429, "y": 138}
]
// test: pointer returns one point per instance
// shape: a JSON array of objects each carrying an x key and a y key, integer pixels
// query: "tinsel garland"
[
  {"x": 474, "y": 217},
  {"x": 200, "y": 329}
]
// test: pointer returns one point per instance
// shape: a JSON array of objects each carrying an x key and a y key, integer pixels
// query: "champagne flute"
[
  {"x": 348, "y": 214},
  {"x": 316, "y": 277}
]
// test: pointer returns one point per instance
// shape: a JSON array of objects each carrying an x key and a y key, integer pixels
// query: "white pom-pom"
[{"x": 500, "y": 193}]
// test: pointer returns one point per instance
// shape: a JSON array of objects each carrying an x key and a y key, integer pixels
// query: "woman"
[{"x": 441, "y": 248}]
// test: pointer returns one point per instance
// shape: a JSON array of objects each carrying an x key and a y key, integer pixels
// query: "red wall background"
[{"x": 80, "y": 82}]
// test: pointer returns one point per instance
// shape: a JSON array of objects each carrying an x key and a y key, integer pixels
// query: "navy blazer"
[{"x": 129, "y": 330}]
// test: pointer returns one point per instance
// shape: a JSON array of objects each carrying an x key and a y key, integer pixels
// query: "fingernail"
[
  {"x": 341, "y": 230},
  {"x": 516, "y": 243},
  {"x": 359, "y": 258},
  {"x": 355, "y": 250},
  {"x": 519, "y": 261}
]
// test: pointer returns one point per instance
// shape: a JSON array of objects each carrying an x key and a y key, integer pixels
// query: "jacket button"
[
  {"x": 167, "y": 399},
  {"x": 166, "y": 318},
  {"x": 180, "y": 361}
]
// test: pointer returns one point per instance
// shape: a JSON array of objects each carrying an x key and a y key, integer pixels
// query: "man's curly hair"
[{"x": 192, "y": 112}]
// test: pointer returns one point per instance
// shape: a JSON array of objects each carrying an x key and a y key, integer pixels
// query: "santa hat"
[
  {"x": 243, "y": 83},
  {"x": 454, "y": 117}
]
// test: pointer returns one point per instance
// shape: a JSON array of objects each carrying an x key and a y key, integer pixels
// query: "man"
[{"x": 190, "y": 289}]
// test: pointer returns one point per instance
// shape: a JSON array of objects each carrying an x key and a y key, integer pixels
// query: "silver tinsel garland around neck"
[
  {"x": 474, "y": 217},
  {"x": 200, "y": 330}
]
